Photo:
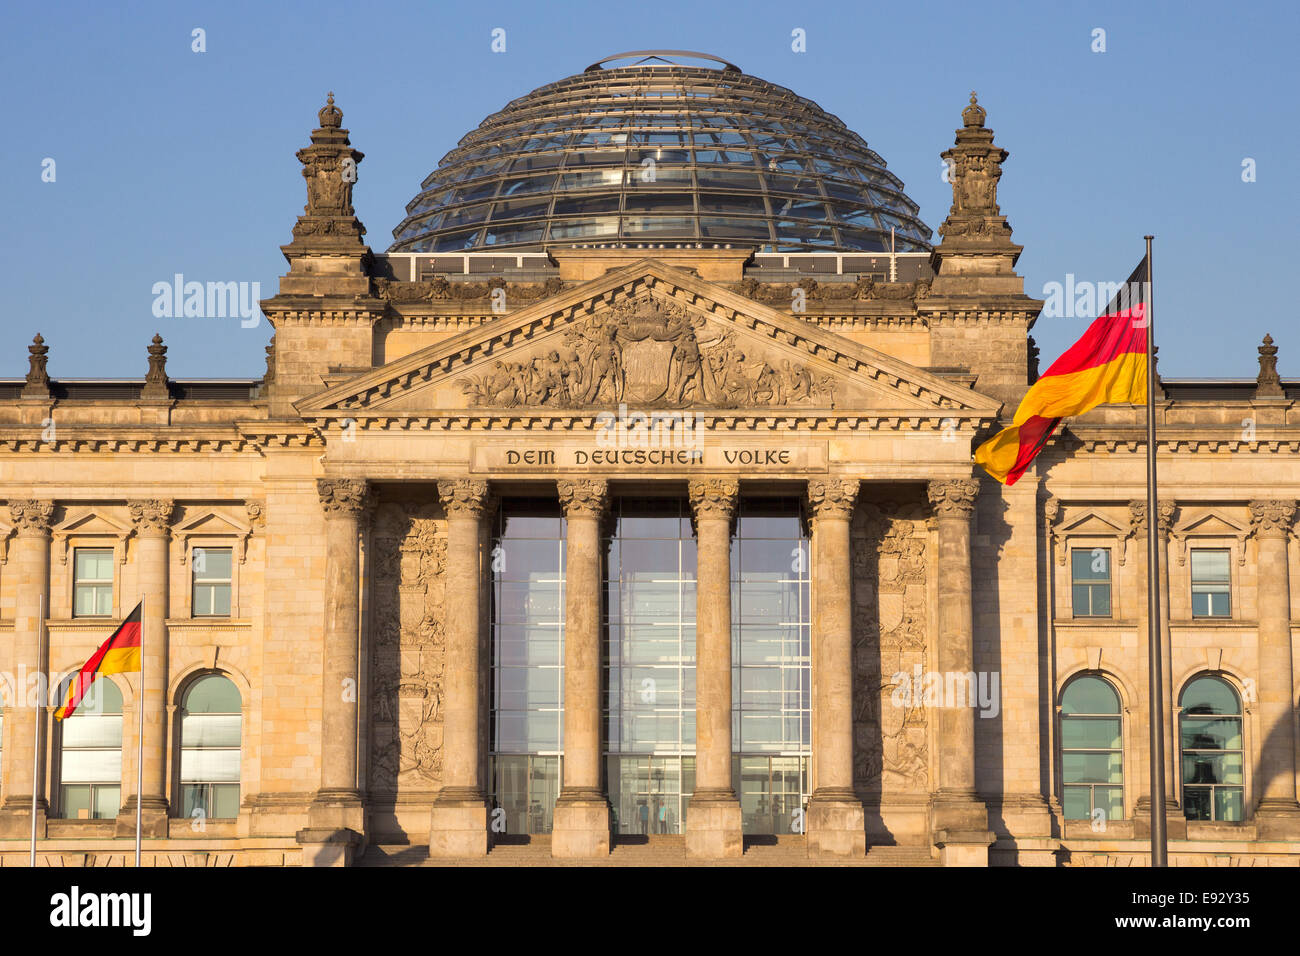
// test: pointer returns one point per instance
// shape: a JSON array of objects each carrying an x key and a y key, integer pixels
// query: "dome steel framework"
[{"x": 661, "y": 152}]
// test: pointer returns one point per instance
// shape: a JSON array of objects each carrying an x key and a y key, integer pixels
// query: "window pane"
[
  {"x": 1090, "y": 734},
  {"x": 1209, "y": 566},
  {"x": 1090, "y": 564},
  {"x": 93, "y": 564},
  {"x": 212, "y": 564},
  {"x": 1078, "y": 803},
  {"x": 1110, "y": 799},
  {"x": 1228, "y": 804},
  {"x": 225, "y": 801},
  {"x": 1198, "y": 803},
  {"x": 92, "y": 766},
  {"x": 1091, "y": 767},
  {"x": 212, "y": 694},
  {"x": 1207, "y": 734},
  {"x": 210, "y": 765},
  {"x": 75, "y": 803},
  {"x": 1212, "y": 768},
  {"x": 1090, "y": 695},
  {"x": 1210, "y": 695},
  {"x": 108, "y": 800}
]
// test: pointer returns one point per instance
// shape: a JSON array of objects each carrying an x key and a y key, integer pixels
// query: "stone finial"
[
  {"x": 155, "y": 380},
  {"x": 1268, "y": 384},
  {"x": 1158, "y": 386},
  {"x": 38, "y": 379},
  {"x": 329, "y": 165},
  {"x": 331, "y": 117},
  {"x": 974, "y": 167}
]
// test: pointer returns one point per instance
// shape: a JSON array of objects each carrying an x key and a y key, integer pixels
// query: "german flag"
[
  {"x": 1108, "y": 366},
  {"x": 119, "y": 654}
]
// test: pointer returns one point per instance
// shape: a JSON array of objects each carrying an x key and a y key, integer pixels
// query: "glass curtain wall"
[
  {"x": 650, "y": 579},
  {"x": 528, "y": 552},
  {"x": 771, "y": 664}
]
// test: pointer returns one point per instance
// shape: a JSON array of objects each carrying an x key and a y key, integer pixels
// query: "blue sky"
[{"x": 173, "y": 161}]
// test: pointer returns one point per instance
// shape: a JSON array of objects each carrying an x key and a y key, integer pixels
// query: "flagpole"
[
  {"x": 41, "y": 692},
  {"x": 1159, "y": 838},
  {"x": 139, "y": 742}
]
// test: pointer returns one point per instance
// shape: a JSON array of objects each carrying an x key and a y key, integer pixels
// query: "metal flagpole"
[
  {"x": 41, "y": 693},
  {"x": 139, "y": 753},
  {"x": 1159, "y": 838}
]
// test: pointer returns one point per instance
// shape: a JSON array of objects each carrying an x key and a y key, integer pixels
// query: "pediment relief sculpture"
[{"x": 651, "y": 354}]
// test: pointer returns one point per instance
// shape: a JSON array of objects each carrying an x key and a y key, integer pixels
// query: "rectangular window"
[
  {"x": 1211, "y": 595},
  {"x": 1090, "y": 582},
  {"x": 211, "y": 594},
  {"x": 92, "y": 588}
]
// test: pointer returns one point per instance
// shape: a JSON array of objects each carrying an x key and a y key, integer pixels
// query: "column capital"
[
  {"x": 344, "y": 497},
  {"x": 832, "y": 497},
  {"x": 583, "y": 497},
  {"x": 1272, "y": 517},
  {"x": 31, "y": 516},
  {"x": 151, "y": 516},
  {"x": 714, "y": 497},
  {"x": 1137, "y": 518},
  {"x": 953, "y": 497},
  {"x": 464, "y": 497}
]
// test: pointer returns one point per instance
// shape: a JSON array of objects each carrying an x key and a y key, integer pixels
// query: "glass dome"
[{"x": 659, "y": 151}]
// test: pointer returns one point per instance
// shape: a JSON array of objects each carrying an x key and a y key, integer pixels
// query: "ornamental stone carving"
[
  {"x": 31, "y": 516},
  {"x": 37, "y": 384},
  {"x": 714, "y": 497},
  {"x": 864, "y": 288},
  {"x": 151, "y": 516},
  {"x": 953, "y": 497},
  {"x": 1137, "y": 518},
  {"x": 464, "y": 497},
  {"x": 1272, "y": 517},
  {"x": 1165, "y": 511},
  {"x": 408, "y": 649},
  {"x": 1268, "y": 384},
  {"x": 832, "y": 497},
  {"x": 651, "y": 354},
  {"x": 344, "y": 497},
  {"x": 583, "y": 497}
]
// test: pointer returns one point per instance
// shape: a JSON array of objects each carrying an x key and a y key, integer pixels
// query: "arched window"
[
  {"x": 1213, "y": 778},
  {"x": 1092, "y": 750},
  {"x": 90, "y": 753},
  {"x": 211, "y": 715}
]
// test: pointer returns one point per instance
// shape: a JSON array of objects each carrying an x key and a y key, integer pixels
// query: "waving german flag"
[
  {"x": 119, "y": 654},
  {"x": 1107, "y": 366}
]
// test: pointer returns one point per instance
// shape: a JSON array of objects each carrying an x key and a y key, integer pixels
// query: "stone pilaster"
[
  {"x": 29, "y": 563},
  {"x": 1278, "y": 814},
  {"x": 581, "y": 826},
  {"x": 836, "y": 822},
  {"x": 152, "y": 519},
  {"x": 1165, "y": 511},
  {"x": 336, "y": 819},
  {"x": 713, "y": 824},
  {"x": 458, "y": 824},
  {"x": 959, "y": 817}
]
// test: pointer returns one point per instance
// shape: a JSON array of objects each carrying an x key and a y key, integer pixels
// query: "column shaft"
[
  {"x": 1278, "y": 810},
  {"x": 581, "y": 825},
  {"x": 30, "y": 564},
  {"x": 458, "y": 824},
  {"x": 836, "y": 822}
]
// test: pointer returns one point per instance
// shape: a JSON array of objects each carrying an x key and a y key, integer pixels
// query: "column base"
[
  {"x": 1278, "y": 820},
  {"x": 836, "y": 824},
  {"x": 581, "y": 826},
  {"x": 337, "y": 810},
  {"x": 329, "y": 847},
  {"x": 960, "y": 824},
  {"x": 1175, "y": 821},
  {"x": 714, "y": 828},
  {"x": 155, "y": 819},
  {"x": 16, "y": 818},
  {"x": 458, "y": 824}
]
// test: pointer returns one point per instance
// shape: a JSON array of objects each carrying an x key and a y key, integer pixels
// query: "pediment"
[
  {"x": 1210, "y": 524},
  {"x": 90, "y": 522},
  {"x": 210, "y": 522},
  {"x": 1091, "y": 524},
  {"x": 647, "y": 336}
]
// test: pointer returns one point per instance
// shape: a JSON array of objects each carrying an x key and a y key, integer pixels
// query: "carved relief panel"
[
  {"x": 890, "y": 625},
  {"x": 409, "y": 648}
]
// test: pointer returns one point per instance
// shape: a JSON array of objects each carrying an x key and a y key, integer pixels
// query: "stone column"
[
  {"x": 959, "y": 817},
  {"x": 713, "y": 822},
  {"x": 1278, "y": 814},
  {"x": 458, "y": 824},
  {"x": 152, "y": 519},
  {"x": 836, "y": 822},
  {"x": 582, "y": 812},
  {"x": 337, "y": 817},
  {"x": 1165, "y": 511},
  {"x": 29, "y": 563}
]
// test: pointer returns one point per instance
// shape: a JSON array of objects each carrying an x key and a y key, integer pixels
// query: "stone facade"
[{"x": 357, "y": 484}]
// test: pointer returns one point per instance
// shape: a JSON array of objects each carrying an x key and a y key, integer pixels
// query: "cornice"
[{"x": 941, "y": 420}]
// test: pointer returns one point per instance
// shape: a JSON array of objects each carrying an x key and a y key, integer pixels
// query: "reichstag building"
[{"x": 624, "y": 509}]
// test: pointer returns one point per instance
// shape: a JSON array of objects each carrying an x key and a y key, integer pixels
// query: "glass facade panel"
[
  {"x": 1212, "y": 760},
  {"x": 1211, "y": 583},
  {"x": 1092, "y": 764},
  {"x": 528, "y": 555},
  {"x": 650, "y": 665}
]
